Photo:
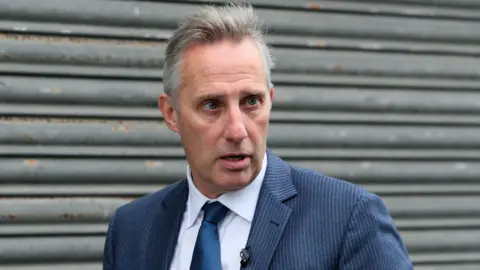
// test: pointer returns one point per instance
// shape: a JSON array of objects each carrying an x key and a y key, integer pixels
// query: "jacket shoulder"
[
  {"x": 358, "y": 223},
  {"x": 331, "y": 194},
  {"x": 307, "y": 179}
]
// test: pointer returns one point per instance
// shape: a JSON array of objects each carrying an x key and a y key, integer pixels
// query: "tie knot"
[{"x": 214, "y": 212}]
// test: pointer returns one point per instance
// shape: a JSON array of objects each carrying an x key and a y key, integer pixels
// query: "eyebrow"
[{"x": 218, "y": 95}]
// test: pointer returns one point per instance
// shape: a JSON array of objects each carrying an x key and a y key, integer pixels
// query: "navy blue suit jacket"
[{"x": 303, "y": 220}]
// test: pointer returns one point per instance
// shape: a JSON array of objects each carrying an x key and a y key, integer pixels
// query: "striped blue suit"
[{"x": 303, "y": 220}]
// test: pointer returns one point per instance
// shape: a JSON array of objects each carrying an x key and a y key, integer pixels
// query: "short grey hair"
[{"x": 210, "y": 24}]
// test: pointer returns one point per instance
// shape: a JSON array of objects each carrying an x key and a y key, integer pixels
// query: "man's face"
[{"x": 224, "y": 111}]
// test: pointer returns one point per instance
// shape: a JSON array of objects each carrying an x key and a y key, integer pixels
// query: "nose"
[{"x": 235, "y": 130}]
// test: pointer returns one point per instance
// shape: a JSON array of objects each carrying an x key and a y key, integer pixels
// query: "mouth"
[
  {"x": 236, "y": 161},
  {"x": 235, "y": 157}
]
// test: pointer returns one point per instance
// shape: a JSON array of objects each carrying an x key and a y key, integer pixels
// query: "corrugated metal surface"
[{"x": 381, "y": 93}]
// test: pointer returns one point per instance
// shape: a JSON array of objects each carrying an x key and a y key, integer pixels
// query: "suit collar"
[
  {"x": 278, "y": 179},
  {"x": 272, "y": 215},
  {"x": 166, "y": 227}
]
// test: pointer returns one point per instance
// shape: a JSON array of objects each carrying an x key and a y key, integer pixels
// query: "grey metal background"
[{"x": 381, "y": 93}]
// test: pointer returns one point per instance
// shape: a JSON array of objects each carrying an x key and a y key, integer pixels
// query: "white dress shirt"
[{"x": 233, "y": 230}]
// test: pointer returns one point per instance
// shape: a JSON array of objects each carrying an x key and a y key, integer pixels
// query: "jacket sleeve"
[
  {"x": 108, "y": 250},
  {"x": 371, "y": 240}
]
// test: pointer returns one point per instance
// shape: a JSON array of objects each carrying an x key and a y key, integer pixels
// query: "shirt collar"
[{"x": 242, "y": 202}]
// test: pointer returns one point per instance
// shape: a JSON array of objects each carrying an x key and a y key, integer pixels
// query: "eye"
[
  {"x": 252, "y": 101},
  {"x": 210, "y": 105}
]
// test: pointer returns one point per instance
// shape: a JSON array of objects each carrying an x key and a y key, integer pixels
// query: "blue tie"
[{"x": 206, "y": 254}]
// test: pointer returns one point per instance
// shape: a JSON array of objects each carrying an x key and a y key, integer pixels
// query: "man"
[{"x": 241, "y": 206}]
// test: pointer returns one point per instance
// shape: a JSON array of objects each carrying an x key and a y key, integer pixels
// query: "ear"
[
  {"x": 271, "y": 93},
  {"x": 168, "y": 111}
]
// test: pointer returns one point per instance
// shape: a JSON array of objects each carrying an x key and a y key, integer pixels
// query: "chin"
[{"x": 236, "y": 180}]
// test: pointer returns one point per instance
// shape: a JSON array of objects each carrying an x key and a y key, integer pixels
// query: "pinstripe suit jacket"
[{"x": 303, "y": 220}]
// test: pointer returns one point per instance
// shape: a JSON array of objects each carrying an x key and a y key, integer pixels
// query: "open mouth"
[
  {"x": 236, "y": 162},
  {"x": 235, "y": 158}
]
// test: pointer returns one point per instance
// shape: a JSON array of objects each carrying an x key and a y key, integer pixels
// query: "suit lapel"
[
  {"x": 271, "y": 215},
  {"x": 166, "y": 227}
]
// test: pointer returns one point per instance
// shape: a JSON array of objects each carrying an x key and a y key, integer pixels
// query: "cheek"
[
  {"x": 191, "y": 123},
  {"x": 201, "y": 135},
  {"x": 259, "y": 127}
]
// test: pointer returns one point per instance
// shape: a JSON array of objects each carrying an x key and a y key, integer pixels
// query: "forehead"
[{"x": 223, "y": 65}]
